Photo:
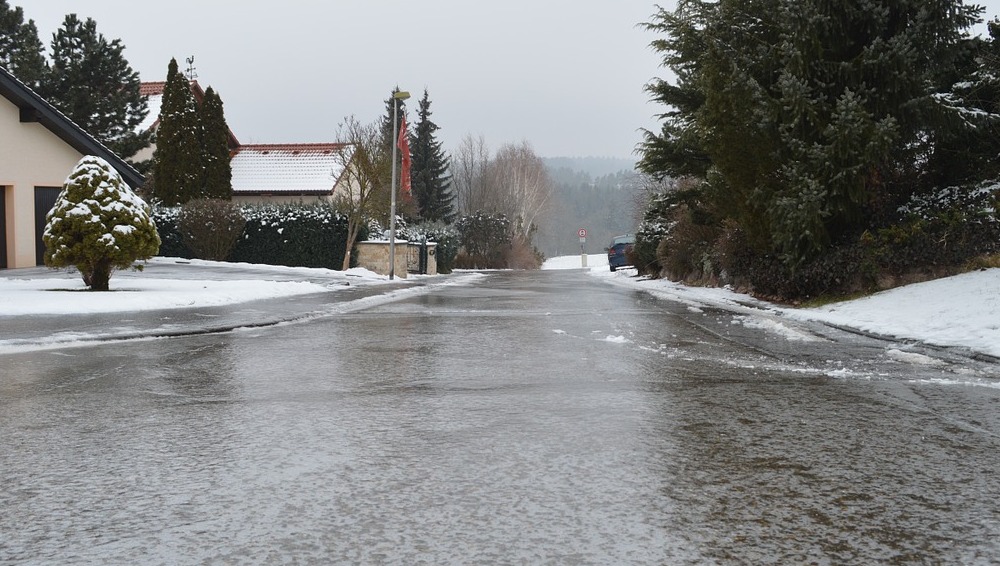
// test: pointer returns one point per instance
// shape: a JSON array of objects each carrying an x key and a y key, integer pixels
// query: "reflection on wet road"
[{"x": 530, "y": 418}]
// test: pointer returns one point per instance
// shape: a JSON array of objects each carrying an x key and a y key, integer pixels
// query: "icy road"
[{"x": 528, "y": 418}]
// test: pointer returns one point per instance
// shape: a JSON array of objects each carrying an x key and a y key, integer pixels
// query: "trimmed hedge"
[{"x": 290, "y": 235}]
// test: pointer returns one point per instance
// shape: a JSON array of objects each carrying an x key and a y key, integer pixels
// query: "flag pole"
[{"x": 396, "y": 97}]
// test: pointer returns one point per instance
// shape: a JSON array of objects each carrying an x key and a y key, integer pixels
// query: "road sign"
[{"x": 582, "y": 232}]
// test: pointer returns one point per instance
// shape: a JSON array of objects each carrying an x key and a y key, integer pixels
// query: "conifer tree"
[
  {"x": 430, "y": 181},
  {"x": 966, "y": 156},
  {"x": 801, "y": 120},
  {"x": 177, "y": 164},
  {"x": 98, "y": 224},
  {"x": 405, "y": 205},
  {"x": 385, "y": 125},
  {"x": 218, "y": 176},
  {"x": 21, "y": 52},
  {"x": 91, "y": 82}
]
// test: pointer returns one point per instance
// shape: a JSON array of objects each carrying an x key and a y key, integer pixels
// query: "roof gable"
[{"x": 34, "y": 108}]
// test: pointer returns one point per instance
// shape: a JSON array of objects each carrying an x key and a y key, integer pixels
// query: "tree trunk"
[
  {"x": 352, "y": 234},
  {"x": 100, "y": 277}
]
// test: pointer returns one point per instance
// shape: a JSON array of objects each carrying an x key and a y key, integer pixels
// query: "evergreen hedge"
[{"x": 289, "y": 235}]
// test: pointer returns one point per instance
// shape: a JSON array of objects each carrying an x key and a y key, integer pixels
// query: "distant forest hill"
[
  {"x": 593, "y": 166},
  {"x": 601, "y": 195}
]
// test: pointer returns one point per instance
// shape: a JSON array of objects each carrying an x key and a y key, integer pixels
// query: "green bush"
[
  {"x": 171, "y": 241},
  {"x": 686, "y": 252},
  {"x": 98, "y": 225},
  {"x": 293, "y": 235},
  {"x": 485, "y": 239},
  {"x": 290, "y": 235}
]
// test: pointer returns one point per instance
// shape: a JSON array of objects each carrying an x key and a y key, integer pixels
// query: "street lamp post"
[{"x": 396, "y": 98}]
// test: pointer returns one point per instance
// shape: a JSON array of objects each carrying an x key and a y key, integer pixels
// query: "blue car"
[{"x": 619, "y": 250}]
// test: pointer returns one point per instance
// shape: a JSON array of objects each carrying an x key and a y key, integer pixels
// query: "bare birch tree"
[
  {"x": 513, "y": 182},
  {"x": 468, "y": 169},
  {"x": 365, "y": 163},
  {"x": 519, "y": 186}
]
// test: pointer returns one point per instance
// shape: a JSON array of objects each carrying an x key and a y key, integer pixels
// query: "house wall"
[
  {"x": 280, "y": 199},
  {"x": 30, "y": 156},
  {"x": 143, "y": 154}
]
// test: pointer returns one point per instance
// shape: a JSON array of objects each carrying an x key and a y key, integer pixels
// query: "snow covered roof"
[
  {"x": 154, "y": 100},
  {"x": 306, "y": 168}
]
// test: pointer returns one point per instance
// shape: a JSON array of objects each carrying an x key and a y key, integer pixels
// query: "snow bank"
[{"x": 960, "y": 311}]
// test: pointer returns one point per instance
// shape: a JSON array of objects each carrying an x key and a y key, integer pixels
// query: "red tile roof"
[{"x": 149, "y": 89}]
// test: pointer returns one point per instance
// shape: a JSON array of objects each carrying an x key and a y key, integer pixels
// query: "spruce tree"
[
  {"x": 177, "y": 164},
  {"x": 385, "y": 126},
  {"x": 430, "y": 182},
  {"x": 218, "y": 176},
  {"x": 965, "y": 156},
  {"x": 807, "y": 121},
  {"x": 91, "y": 82},
  {"x": 21, "y": 52}
]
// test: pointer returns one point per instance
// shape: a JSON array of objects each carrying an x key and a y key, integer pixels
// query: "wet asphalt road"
[{"x": 528, "y": 418}]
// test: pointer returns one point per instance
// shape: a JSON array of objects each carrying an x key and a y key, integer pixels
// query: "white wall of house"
[
  {"x": 278, "y": 198},
  {"x": 30, "y": 156}
]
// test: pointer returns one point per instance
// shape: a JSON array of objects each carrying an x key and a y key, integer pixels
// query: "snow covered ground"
[
  {"x": 957, "y": 311},
  {"x": 961, "y": 311},
  {"x": 58, "y": 292}
]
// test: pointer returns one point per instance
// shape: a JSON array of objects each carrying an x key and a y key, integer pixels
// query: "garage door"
[
  {"x": 45, "y": 199},
  {"x": 3, "y": 227}
]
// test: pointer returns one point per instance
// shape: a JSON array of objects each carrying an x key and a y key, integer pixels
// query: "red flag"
[{"x": 403, "y": 143}]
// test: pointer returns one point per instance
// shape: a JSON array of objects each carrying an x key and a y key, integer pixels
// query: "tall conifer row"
[
  {"x": 177, "y": 167},
  {"x": 431, "y": 184},
  {"x": 21, "y": 52},
  {"x": 91, "y": 82},
  {"x": 218, "y": 178}
]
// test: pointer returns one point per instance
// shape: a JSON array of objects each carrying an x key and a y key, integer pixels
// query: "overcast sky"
[{"x": 565, "y": 75}]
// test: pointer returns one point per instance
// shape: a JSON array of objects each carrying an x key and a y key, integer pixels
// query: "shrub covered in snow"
[
  {"x": 293, "y": 235},
  {"x": 98, "y": 224},
  {"x": 485, "y": 239}
]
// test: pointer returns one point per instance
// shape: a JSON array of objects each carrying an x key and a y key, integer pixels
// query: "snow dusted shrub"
[
  {"x": 210, "y": 227},
  {"x": 485, "y": 239},
  {"x": 171, "y": 241},
  {"x": 939, "y": 232},
  {"x": 98, "y": 225},
  {"x": 293, "y": 235},
  {"x": 687, "y": 251},
  {"x": 655, "y": 227}
]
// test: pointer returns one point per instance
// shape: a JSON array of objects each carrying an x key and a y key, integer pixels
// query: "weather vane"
[{"x": 190, "y": 72}]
